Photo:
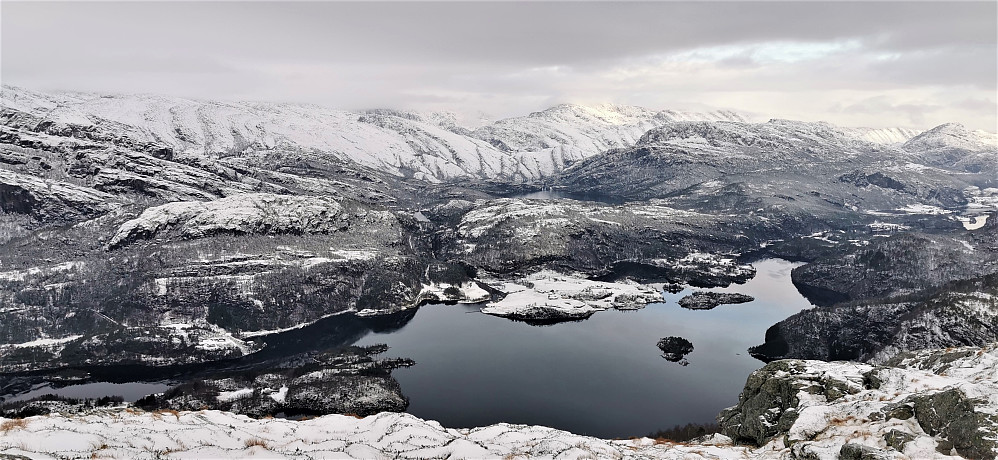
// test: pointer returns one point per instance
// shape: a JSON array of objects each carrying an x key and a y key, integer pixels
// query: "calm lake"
[{"x": 603, "y": 376}]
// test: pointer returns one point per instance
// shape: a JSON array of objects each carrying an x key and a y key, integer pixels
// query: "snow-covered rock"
[
  {"x": 953, "y": 136},
  {"x": 927, "y": 404},
  {"x": 258, "y": 213},
  {"x": 49, "y": 199},
  {"x": 213, "y": 434},
  {"x": 885, "y": 136},
  {"x": 549, "y": 297},
  {"x": 408, "y": 144}
]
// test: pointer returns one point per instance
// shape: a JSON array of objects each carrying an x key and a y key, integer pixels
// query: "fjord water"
[{"x": 602, "y": 377}]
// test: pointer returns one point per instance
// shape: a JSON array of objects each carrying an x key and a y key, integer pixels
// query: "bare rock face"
[
  {"x": 50, "y": 200},
  {"x": 709, "y": 300}
]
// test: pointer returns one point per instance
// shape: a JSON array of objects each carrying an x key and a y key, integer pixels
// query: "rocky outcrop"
[
  {"x": 255, "y": 213},
  {"x": 924, "y": 404},
  {"x": 708, "y": 300},
  {"x": 49, "y": 200}
]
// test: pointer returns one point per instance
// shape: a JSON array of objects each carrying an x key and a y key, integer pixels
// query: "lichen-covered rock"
[
  {"x": 851, "y": 451},
  {"x": 927, "y": 404},
  {"x": 951, "y": 415},
  {"x": 771, "y": 401}
]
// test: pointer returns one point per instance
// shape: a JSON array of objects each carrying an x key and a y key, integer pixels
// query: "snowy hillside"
[{"x": 406, "y": 144}]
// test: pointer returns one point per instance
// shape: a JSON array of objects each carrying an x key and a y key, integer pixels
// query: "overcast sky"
[{"x": 854, "y": 64}]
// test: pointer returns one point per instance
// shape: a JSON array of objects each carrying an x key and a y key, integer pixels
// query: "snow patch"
[{"x": 229, "y": 396}]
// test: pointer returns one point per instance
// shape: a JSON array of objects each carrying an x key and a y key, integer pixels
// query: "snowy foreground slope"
[{"x": 929, "y": 404}]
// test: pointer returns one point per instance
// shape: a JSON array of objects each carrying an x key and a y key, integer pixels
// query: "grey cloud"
[
  {"x": 503, "y": 58},
  {"x": 526, "y": 33}
]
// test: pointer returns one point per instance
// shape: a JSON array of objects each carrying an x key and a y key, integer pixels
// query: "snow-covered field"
[{"x": 214, "y": 434}]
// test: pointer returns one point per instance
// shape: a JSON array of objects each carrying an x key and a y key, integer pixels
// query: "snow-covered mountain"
[
  {"x": 120, "y": 215},
  {"x": 406, "y": 144}
]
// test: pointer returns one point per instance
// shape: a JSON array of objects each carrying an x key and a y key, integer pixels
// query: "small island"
[
  {"x": 675, "y": 349},
  {"x": 708, "y": 300}
]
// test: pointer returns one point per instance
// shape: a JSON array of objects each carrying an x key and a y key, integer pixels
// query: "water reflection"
[
  {"x": 603, "y": 376},
  {"x": 130, "y": 391},
  {"x": 135, "y": 381}
]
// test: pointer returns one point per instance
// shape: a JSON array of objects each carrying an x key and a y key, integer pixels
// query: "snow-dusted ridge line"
[{"x": 424, "y": 146}]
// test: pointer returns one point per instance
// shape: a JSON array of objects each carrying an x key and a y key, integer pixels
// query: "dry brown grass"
[
  {"x": 839, "y": 421},
  {"x": 97, "y": 447},
  {"x": 172, "y": 412},
  {"x": 13, "y": 424},
  {"x": 255, "y": 442}
]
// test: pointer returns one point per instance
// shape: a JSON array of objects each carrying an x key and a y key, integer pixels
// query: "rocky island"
[
  {"x": 675, "y": 349},
  {"x": 709, "y": 300}
]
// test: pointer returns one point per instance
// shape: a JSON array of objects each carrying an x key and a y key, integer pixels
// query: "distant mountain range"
[{"x": 405, "y": 144}]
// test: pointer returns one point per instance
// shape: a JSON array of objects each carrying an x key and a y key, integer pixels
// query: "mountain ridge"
[{"x": 426, "y": 146}]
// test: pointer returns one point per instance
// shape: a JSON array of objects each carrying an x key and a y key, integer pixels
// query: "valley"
[{"x": 292, "y": 260}]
